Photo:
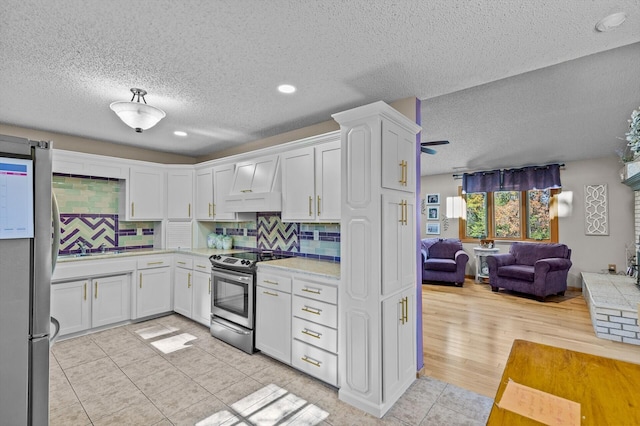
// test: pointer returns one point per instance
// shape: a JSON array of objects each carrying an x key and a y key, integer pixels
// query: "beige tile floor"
[{"x": 119, "y": 377}]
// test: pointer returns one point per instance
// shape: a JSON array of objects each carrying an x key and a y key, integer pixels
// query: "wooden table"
[{"x": 608, "y": 390}]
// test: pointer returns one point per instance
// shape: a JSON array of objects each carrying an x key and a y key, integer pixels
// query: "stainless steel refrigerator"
[{"x": 25, "y": 280}]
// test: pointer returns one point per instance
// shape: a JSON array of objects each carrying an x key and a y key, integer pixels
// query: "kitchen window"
[{"x": 510, "y": 215}]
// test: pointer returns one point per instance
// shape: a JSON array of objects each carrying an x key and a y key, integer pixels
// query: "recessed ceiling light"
[
  {"x": 286, "y": 88},
  {"x": 180, "y": 133},
  {"x": 610, "y": 22}
]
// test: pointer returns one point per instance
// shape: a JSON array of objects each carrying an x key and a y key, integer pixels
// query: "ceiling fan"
[{"x": 424, "y": 145}]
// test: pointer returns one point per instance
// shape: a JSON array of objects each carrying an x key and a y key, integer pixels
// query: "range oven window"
[{"x": 231, "y": 296}]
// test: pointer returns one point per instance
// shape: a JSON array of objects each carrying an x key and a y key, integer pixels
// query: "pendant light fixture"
[{"x": 137, "y": 115}]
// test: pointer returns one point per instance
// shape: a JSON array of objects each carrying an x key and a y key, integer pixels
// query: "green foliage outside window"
[
  {"x": 505, "y": 214},
  {"x": 538, "y": 214},
  {"x": 476, "y": 215}
]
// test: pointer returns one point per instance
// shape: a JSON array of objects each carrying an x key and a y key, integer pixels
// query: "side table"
[{"x": 482, "y": 269}]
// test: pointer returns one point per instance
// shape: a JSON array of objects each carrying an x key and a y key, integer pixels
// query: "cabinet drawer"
[
  {"x": 154, "y": 262},
  {"x": 202, "y": 265},
  {"x": 315, "y": 334},
  {"x": 277, "y": 282},
  {"x": 183, "y": 262},
  {"x": 314, "y": 290},
  {"x": 315, "y": 311},
  {"x": 314, "y": 361}
]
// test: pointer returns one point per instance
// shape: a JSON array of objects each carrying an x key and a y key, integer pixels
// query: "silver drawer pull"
[
  {"x": 201, "y": 266},
  {"x": 311, "y": 361},
  {"x": 311, "y": 333},
  {"x": 311, "y": 291},
  {"x": 269, "y": 293},
  {"x": 182, "y": 263},
  {"x": 270, "y": 282},
  {"x": 312, "y": 311}
]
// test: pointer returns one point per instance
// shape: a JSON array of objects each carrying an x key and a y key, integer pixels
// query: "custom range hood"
[{"x": 257, "y": 186}]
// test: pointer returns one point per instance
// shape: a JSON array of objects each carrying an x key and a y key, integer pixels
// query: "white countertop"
[
  {"x": 205, "y": 252},
  {"x": 303, "y": 264}
]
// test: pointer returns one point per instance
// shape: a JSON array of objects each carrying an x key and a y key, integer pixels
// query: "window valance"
[{"x": 523, "y": 179}]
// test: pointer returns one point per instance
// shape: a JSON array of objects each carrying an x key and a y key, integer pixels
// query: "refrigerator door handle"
[{"x": 54, "y": 336}]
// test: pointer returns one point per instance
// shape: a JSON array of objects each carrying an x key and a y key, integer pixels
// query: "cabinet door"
[
  {"x": 153, "y": 292},
  {"x": 222, "y": 181},
  {"x": 180, "y": 194},
  {"x": 273, "y": 323},
  {"x": 146, "y": 193},
  {"x": 328, "y": 204},
  {"x": 182, "y": 291},
  {"x": 398, "y": 343},
  {"x": 201, "y": 308},
  {"x": 110, "y": 300},
  {"x": 298, "y": 182},
  {"x": 398, "y": 243},
  {"x": 255, "y": 175},
  {"x": 204, "y": 194},
  {"x": 398, "y": 158},
  {"x": 70, "y": 305}
]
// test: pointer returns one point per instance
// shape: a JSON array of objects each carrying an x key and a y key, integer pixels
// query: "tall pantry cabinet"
[{"x": 377, "y": 333}]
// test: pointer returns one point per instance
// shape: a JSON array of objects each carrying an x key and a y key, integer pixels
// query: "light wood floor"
[{"x": 468, "y": 332}]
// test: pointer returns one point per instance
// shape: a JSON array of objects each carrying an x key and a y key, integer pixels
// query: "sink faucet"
[
  {"x": 103, "y": 248},
  {"x": 83, "y": 247}
]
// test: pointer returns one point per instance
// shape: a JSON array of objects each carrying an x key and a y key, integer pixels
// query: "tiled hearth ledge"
[{"x": 613, "y": 302}]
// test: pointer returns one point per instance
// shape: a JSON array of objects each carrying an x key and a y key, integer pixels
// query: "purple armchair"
[
  {"x": 534, "y": 268},
  {"x": 443, "y": 260}
]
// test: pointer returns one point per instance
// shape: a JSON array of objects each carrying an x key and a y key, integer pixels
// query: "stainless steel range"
[{"x": 233, "y": 297}]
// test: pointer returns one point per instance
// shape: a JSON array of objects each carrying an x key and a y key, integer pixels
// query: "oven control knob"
[{"x": 217, "y": 257}]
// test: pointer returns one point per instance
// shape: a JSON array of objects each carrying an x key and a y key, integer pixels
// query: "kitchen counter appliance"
[
  {"x": 26, "y": 262},
  {"x": 233, "y": 279}
]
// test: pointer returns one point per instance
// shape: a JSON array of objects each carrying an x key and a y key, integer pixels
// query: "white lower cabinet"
[
  {"x": 153, "y": 290},
  {"x": 182, "y": 286},
  {"x": 398, "y": 347},
  {"x": 315, "y": 327},
  {"x": 297, "y": 321},
  {"x": 110, "y": 300},
  {"x": 273, "y": 315},
  {"x": 201, "y": 309},
  {"x": 90, "y": 303},
  {"x": 70, "y": 304}
]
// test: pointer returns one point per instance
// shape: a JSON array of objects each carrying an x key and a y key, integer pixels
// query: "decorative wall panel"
[{"x": 596, "y": 210}]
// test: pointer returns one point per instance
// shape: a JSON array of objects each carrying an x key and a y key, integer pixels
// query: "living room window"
[{"x": 510, "y": 215}]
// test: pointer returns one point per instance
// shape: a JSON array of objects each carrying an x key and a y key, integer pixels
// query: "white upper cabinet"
[
  {"x": 76, "y": 163},
  {"x": 256, "y": 186},
  {"x": 180, "y": 193},
  {"x": 222, "y": 181},
  {"x": 256, "y": 175},
  {"x": 298, "y": 185},
  {"x": 311, "y": 184},
  {"x": 398, "y": 158},
  {"x": 204, "y": 194},
  {"x": 144, "y": 198}
]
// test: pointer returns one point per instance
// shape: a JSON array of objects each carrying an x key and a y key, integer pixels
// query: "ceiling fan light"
[{"x": 137, "y": 115}]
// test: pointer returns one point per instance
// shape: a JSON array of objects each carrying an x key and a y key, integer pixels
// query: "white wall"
[{"x": 589, "y": 253}]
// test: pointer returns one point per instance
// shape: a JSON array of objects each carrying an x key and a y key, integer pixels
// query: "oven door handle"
[
  {"x": 233, "y": 329},
  {"x": 237, "y": 277}
]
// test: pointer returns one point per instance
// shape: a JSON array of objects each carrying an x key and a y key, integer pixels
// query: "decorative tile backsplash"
[
  {"x": 89, "y": 214},
  {"x": 296, "y": 239}
]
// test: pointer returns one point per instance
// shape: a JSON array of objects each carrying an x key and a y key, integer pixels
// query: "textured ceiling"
[{"x": 213, "y": 66}]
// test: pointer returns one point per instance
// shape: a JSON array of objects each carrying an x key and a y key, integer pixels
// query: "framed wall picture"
[
  {"x": 433, "y": 212},
  {"x": 433, "y": 228},
  {"x": 433, "y": 198}
]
